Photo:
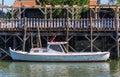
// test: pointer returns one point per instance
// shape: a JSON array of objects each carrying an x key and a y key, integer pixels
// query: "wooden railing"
[{"x": 58, "y": 23}]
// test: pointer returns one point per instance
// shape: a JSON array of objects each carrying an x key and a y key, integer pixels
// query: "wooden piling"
[
  {"x": 117, "y": 32},
  {"x": 25, "y": 31},
  {"x": 6, "y": 54},
  {"x": 91, "y": 33}
]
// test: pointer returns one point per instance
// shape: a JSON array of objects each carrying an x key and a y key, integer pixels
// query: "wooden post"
[
  {"x": 76, "y": 13},
  {"x": 117, "y": 32},
  {"x": 7, "y": 54},
  {"x": 96, "y": 13},
  {"x": 31, "y": 40},
  {"x": 14, "y": 42},
  {"x": 20, "y": 8},
  {"x": 12, "y": 13},
  {"x": 91, "y": 33},
  {"x": 5, "y": 40},
  {"x": 67, "y": 33},
  {"x": 45, "y": 13},
  {"x": 25, "y": 31},
  {"x": 39, "y": 36},
  {"x": 51, "y": 13},
  {"x": 73, "y": 12}
]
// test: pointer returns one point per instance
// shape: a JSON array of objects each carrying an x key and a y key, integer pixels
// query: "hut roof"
[
  {"x": 93, "y": 2},
  {"x": 19, "y": 3}
]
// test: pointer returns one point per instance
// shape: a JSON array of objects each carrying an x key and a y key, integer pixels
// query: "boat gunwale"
[{"x": 61, "y": 54}]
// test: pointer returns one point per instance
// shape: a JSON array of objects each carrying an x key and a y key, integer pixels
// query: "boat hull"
[{"x": 82, "y": 57}]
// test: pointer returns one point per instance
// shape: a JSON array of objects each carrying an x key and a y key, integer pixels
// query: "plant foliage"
[{"x": 61, "y": 13}]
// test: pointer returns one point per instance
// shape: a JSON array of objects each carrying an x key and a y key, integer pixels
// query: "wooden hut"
[{"x": 27, "y": 12}]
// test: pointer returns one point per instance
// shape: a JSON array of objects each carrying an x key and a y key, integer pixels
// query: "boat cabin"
[
  {"x": 56, "y": 47},
  {"x": 53, "y": 47}
]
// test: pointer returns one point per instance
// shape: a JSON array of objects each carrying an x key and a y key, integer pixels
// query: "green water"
[{"x": 53, "y": 69}]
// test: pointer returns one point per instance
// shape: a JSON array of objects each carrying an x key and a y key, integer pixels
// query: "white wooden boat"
[{"x": 56, "y": 51}]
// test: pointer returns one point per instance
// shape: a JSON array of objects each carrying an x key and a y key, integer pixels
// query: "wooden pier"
[
  {"x": 83, "y": 34},
  {"x": 103, "y": 31}
]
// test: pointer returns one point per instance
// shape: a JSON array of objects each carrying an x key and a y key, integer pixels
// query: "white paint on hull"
[{"x": 84, "y": 56}]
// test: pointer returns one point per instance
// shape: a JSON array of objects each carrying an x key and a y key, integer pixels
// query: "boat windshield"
[{"x": 56, "y": 48}]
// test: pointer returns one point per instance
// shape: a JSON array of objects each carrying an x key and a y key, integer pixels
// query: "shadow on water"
[
  {"x": 54, "y": 69},
  {"x": 115, "y": 68}
]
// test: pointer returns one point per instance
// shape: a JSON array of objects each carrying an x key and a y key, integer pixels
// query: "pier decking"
[{"x": 31, "y": 24}]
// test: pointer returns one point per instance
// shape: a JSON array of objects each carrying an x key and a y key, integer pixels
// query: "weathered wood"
[
  {"x": 7, "y": 54},
  {"x": 67, "y": 31},
  {"x": 76, "y": 24},
  {"x": 117, "y": 32},
  {"x": 39, "y": 36},
  {"x": 31, "y": 40},
  {"x": 24, "y": 38},
  {"x": 79, "y": 27},
  {"x": 91, "y": 33}
]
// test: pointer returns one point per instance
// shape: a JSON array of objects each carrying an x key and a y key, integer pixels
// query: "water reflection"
[
  {"x": 115, "y": 68},
  {"x": 46, "y": 69},
  {"x": 60, "y": 69}
]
